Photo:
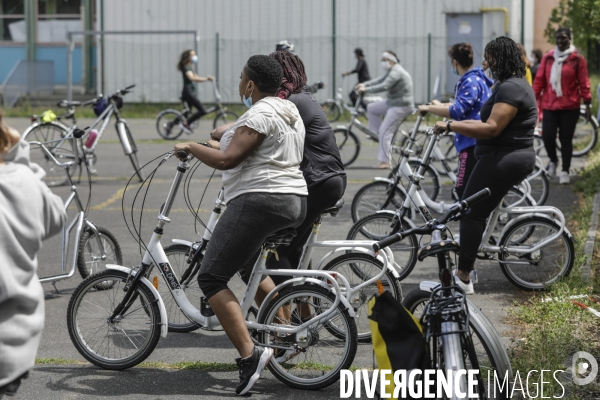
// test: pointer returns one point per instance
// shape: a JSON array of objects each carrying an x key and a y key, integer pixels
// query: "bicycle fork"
[{"x": 124, "y": 138}]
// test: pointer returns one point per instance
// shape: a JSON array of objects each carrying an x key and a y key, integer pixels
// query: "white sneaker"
[
  {"x": 564, "y": 178},
  {"x": 466, "y": 287},
  {"x": 185, "y": 128},
  {"x": 551, "y": 169}
]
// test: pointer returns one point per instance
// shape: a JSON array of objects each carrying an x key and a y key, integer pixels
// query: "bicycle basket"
[{"x": 100, "y": 106}]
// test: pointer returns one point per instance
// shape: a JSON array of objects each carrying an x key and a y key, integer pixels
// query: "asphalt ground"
[{"x": 494, "y": 294}]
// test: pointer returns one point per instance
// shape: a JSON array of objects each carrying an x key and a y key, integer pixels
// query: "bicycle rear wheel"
[
  {"x": 378, "y": 226},
  {"x": 538, "y": 269},
  {"x": 348, "y": 144},
  {"x": 487, "y": 344},
  {"x": 357, "y": 268},
  {"x": 322, "y": 354},
  {"x": 63, "y": 151},
  {"x": 129, "y": 338},
  {"x": 376, "y": 196},
  {"x": 167, "y": 124}
]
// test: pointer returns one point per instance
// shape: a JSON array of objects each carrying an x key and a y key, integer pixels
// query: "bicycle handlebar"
[{"x": 432, "y": 225}]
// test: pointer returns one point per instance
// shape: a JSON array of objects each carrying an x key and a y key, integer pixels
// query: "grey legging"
[{"x": 242, "y": 229}]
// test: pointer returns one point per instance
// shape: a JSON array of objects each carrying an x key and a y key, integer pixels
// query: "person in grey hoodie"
[
  {"x": 400, "y": 102},
  {"x": 29, "y": 213}
]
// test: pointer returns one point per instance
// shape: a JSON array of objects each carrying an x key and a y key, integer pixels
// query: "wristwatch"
[{"x": 448, "y": 127}]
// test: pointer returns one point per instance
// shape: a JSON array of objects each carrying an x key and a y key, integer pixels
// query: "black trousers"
[
  {"x": 320, "y": 197},
  {"x": 190, "y": 97},
  {"x": 498, "y": 170},
  {"x": 563, "y": 121}
]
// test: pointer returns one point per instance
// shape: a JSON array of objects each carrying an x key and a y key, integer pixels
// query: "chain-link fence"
[
  {"x": 28, "y": 78},
  {"x": 149, "y": 61}
]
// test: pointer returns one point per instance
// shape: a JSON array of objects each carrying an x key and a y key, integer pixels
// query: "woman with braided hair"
[
  {"x": 504, "y": 148},
  {"x": 321, "y": 164}
]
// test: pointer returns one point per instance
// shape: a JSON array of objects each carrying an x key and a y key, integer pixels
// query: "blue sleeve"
[{"x": 466, "y": 97}]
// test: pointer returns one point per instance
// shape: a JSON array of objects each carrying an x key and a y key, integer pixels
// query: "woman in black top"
[
  {"x": 188, "y": 94},
  {"x": 361, "y": 69},
  {"x": 321, "y": 165},
  {"x": 504, "y": 149}
]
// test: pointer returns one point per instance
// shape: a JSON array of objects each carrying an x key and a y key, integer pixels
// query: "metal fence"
[
  {"x": 148, "y": 59},
  {"x": 27, "y": 78}
]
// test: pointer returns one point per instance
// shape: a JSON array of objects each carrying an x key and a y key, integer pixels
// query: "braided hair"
[
  {"x": 504, "y": 58},
  {"x": 294, "y": 76}
]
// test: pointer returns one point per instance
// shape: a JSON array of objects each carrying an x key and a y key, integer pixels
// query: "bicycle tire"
[
  {"x": 377, "y": 227},
  {"x": 585, "y": 136},
  {"x": 178, "y": 255},
  {"x": 323, "y": 374},
  {"x": 490, "y": 351},
  {"x": 224, "y": 117},
  {"x": 332, "y": 110},
  {"x": 355, "y": 262},
  {"x": 63, "y": 151},
  {"x": 530, "y": 275},
  {"x": 373, "y": 197},
  {"x": 348, "y": 144},
  {"x": 88, "y": 255},
  {"x": 133, "y": 156},
  {"x": 540, "y": 186},
  {"x": 148, "y": 307},
  {"x": 166, "y": 122}
]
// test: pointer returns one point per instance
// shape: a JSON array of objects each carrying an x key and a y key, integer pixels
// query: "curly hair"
[
  {"x": 462, "y": 53},
  {"x": 504, "y": 58},
  {"x": 184, "y": 59},
  {"x": 294, "y": 76},
  {"x": 265, "y": 72}
]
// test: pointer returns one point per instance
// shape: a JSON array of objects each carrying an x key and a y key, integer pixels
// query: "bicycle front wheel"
[
  {"x": 129, "y": 338},
  {"x": 332, "y": 110},
  {"x": 378, "y": 226},
  {"x": 63, "y": 151},
  {"x": 225, "y": 117},
  {"x": 348, "y": 144},
  {"x": 90, "y": 254},
  {"x": 487, "y": 343},
  {"x": 167, "y": 124},
  {"x": 358, "y": 268},
  {"x": 376, "y": 196},
  {"x": 537, "y": 269},
  {"x": 321, "y": 354}
]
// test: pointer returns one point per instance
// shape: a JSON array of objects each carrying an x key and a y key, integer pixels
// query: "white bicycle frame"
[{"x": 155, "y": 255}]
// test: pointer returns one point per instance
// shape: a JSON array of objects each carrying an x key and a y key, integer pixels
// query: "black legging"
[
  {"x": 320, "y": 197},
  {"x": 565, "y": 122},
  {"x": 190, "y": 97},
  {"x": 498, "y": 170}
]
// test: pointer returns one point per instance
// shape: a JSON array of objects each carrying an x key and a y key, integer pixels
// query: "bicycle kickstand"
[{"x": 55, "y": 288}]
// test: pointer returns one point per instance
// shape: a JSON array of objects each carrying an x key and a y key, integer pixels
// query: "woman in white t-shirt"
[{"x": 265, "y": 192}]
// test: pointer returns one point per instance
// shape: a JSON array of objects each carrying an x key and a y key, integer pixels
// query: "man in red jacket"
[{"x": 561, "y": 82}]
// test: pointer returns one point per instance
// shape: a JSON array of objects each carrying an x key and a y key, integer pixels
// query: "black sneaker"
[{"x": 250, "y": 368}]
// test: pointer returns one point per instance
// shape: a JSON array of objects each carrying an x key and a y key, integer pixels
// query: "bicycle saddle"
[
  {"x": 283, "y": 237},
  {"x": 436, "y": 247},
  {"x": 68, "y": 104},
  {"x": 333, "y": 211}
]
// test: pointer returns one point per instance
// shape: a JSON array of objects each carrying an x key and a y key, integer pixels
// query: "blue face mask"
[
  {"x": 194, "y": 59},
  {"x": 247, "y": 101},
  {"x": 455, "y": 71}
]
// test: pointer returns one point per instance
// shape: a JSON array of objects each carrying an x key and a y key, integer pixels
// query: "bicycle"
[
  {"x": 584, "y": 138},
  {"x": 128, "y": 315},
  {"x": 186, "y": 257},
  {"x": 65, "y": 148},
  {"x": 524, "y": 247},
  {"x": 167, "y": 121},
  {"x": 458, "y": 335},
  {"x": 388, "y": 193},
  {"x": 347, "y": 141},
  {"x": 334, "y": 108},
  {"x": 94, "y": 245}
]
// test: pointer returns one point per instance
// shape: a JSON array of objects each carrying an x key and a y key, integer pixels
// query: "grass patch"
[
  {"x": 551, "y": 332},
  {"x": 59, "y": 361}
]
